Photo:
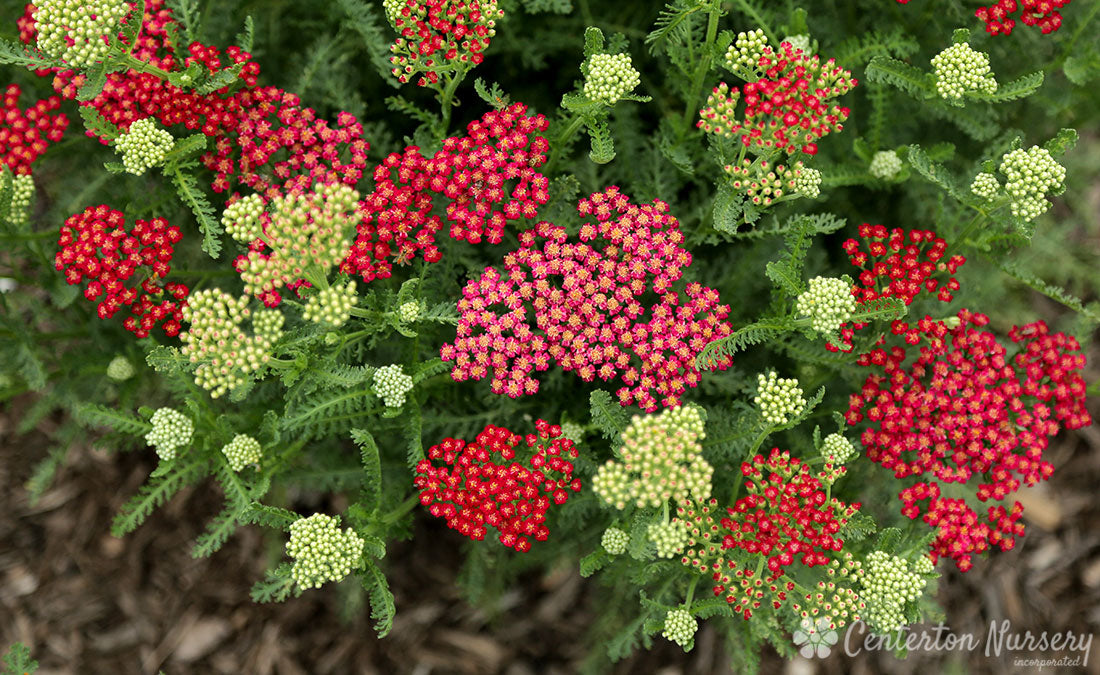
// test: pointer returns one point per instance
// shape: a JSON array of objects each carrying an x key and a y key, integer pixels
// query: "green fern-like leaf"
[
  {"x": 372, "y": 468},
  {"x": 879, "y": 309},
  {"x": 276, "y": 586},
  {"x": 909, "y": 79},
  {"x": 18, "y": 661},
  {"x": 381, "y": 598},
  {"x": 187, "y": 186},
  {"x": 1091, "y": 310},
  {"x": 934, "y": 171},
  {"x": 93, "y": 415},
  {"x": 753, "y": 334},
  {"x": 15, "y": 54},
  {"x": 98, "y": 125},
  {"x": 217, "y": 533},
  {"x": 156, "y": 491},
  {"x": 608, "y": 416},
  {"x": 594, "y": 562},
  {"x": 329, "y": 413},
  {"x": 1063, "y": 142},
  {"x": 269, "y": 516},
  {"x": 603, "y": 144},
  {"x": 1017, "y": 89}
]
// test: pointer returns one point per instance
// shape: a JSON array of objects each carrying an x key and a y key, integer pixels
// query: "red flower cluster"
[
  {"x": 24, "y": 135},
  {"x": 588, "y": 314},
  {"x": 434, "y": 33},
  {"x": 789, "y": 107},
  {"x": 893, "y": 268},
  {"x": 959, "y": 532},
  {"x": 473, "y": 491},
  {"x": 1041, "y": 13},
  {"x": 472, "y": 172},
  {"x": 96, "y": 248},
  {"x": 964, "y": 407},
  {"x": 785, "y": 514}
]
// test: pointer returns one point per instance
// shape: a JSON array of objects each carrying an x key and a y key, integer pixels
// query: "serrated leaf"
[
  {"x": 608, "y": 416},
  {"x": 381, "y": 598},
  {"x": 593, "y": 41},
  {"x": 94, "y": 415},
  {"x": 727, "y": 209},
  {"x": 492, "y": 95},
  {"x": 97, "y": 124},
  {"x": 901, "y": 75},
  {"x": 960, "y": 36},
  {"x": 1063, "y": 142},
  {"x": 372, "y": 468},
  {"x": 603, "y": 144},
  {"x": 187, "y": 187},
  {"x": 594, "y": 562},
  {"x": 1017, "y": 89}
]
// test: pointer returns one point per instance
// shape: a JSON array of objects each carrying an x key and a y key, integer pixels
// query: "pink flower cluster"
[
  {"x": 25, "y": 134},
  {"x": 965, "y": 407},
  {"x": 495, "y": 163},
  {"x": 579, "y": 305}
]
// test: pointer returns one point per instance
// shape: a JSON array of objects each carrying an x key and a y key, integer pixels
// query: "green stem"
[
  {"x": 400, "y": 512},
  {"x": 692, "y": 105},
  {"x": 276, "y": 362},
  {"x": 31, "y": 236},
  {"x": 664, "y": 516},
  {"x": 760, "y": 439},
  {"x": 445, "y": 98},
  {"x": 563, "y": 138},
  {"x": 691, "y": 592}
]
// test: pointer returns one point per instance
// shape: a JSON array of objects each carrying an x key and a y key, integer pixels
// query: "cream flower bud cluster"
[
  {"x": 1031, "y": 174},
  {"x": 800, "y": 42},
  {"x": 171, "y": 430},
  {"x": 391, "y": 384},
  {"x": 670, "y": 538},
  {"x": 225, "y": 355},
  {"x": 242, "y": 451},
  {"x": 610, "y": 77},
  {"x": 144, "y": 146},
  {"x": 572, "y": 431},
  {"x": 985, "y": 185},
  {"x": 661, "y": 459},
  {"x": 332, "y": 305},
  {"x": 779, "y": 398},
  {"x": 680, "y": 627},
  {"x": 120, "y": 369},
  {"x": 22, "y": 194},
  {"x": 807, "y": 182},
  {"x": 828, "y": 302},
  {"x": 243, "y": 219},
  {"x": 960, "y": 69},
  {"x": 321, "y": 551},
  {"x": 409, "y": 312},
  {"x": 745, "y": 52},
  {"x": 837, "y": 449},
  {"x": 885, "y": 164},
  {"x": 888, "y": 584},
  {"x": 833, "y": 599},
  {"x": 77, "y": 31},
  {"x": 614, "y": 541}
]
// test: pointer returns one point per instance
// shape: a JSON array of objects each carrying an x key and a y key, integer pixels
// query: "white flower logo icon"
[{"x": 815, "y": 639}]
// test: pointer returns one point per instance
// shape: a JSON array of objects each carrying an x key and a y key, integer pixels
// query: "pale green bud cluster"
[
  {"x": 680, "y": 627},
  {"x": 242, "y": 219},
  {"x": 409, "y": 311},
  {"x": 924, "y": 565},
  {"x": 885, "y": 164},
  {"x": 661, "y": 459},
  {"x": 610, "y": 77},
  {"x": 960, "y": 69},
  {"x": 242, "y": 451},
  {"x": 670, "y": 538},
  {"x": 321, "y": 551},
  {"x": 614, "y": 541},
  {"x": 332, "y": 305},
  {"x": 74, "y": 30},
  {"x": 985, "y": 185},
  {"x": 745, "y": 52},
  {"x": 120, "y": 369},
  {"x": 572, "y": 431},
  {"x": 887, "y": 585},
  {"x": 829, "y": 303},
  {"x": 1031, "y": 174},
  {"x": 779, "y": 398},
  {"x": 144, "y": 146},
  {"x": 171, "y": 430},
  {"x": 307, "y": 235},
  {"x": 837, "y": 449},
  {"x": 807, "y": 182},
  {"x": 391, "y": 384},
  {"x": 800, "y": 42},
  {"x": 22, "y": 194},
  {"x": 833, "y": 602},
  {"x": 392, "y": 8},
  {"x": 225, "y": 355}
]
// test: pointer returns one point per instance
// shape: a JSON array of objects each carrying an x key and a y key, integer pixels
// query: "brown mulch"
[{"x": 90, "y": 603}]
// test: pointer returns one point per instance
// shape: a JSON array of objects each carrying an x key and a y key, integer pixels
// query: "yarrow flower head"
[
  {"x": 321, "y": 551},
  {"x": 779, "y": 398},
  {"x": 474, "y": 490},
  {"x": 833, "y": 602},
  {"x": 661, "y": 459},
  {"x": 799, "y": 42},
  {"x": 828, "y": 302},
  {"x": 225, "y": 354},
  {"x": 120, "y": 369},
  {"x": 609, "y": 77},
  {"x": 144, "y": 146},
  {"x": 331, "y": 305},
  {"x": 243, "y": 218},
  {"x": 1041, "y": 13},
  {"x": 807, "y": 182},
  {"x": 885, "y": 165},
  {"x": 837, "y": 449},
  {"x": 391, "y": 384},
  {"x": 572, "y": 431},
  {"x": 78, "y": 31},
  {"x": 670, "y": 538},
  {"x": 242, "y": 451},
  {"x": 887, "y": 585},
  {"x": 409, "y": 312},
  {"x": 438, "y": 34},
  {"x": 680, "y": 627},
  {"x": 22, "y": 194},
  {"x": 171, "y": 430},
  {"x": 26, "y": 134},
  {"x": 743, "y": 56},
  {"x": 614, "y": 541},
  {"x": 765, "y": 183},
  {"x": 960, "y": 70},
  {"x": 1031, "y": 173},
  {"x": 985, "y": 185}
]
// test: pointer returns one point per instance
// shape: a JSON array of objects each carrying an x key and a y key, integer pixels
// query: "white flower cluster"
[
  {"x": 662, "y": 459},
  {"x": 1031, "y": 174},
  {"x": 321, "y": 551},
  {"x": 171, "y": 430},
  {"x": 680, "y": 627},
  {"x": 392, "y": 384},
  {"x": 614, "y": 541},
  {"x": 960, "y": 69},
  {"x": 242, "y": 219},
  {"x": 409, "y": 311},
  {"x": 215, "y": 341},
  {"x": 332, "y": 305},
  {"x": 610, "y": 77},
  {"x": 144, "y": 146},
  {"x": 242, "y": 451},
  {"x": 670, "y": 538},
  {"x": 985, "y": 185},
  {"x": 778, "y": 398},
  {"x": 837, "y": 449},
  {"x": 22, "y": 194},
  {"x": 807, "y": 182},
  {"x": 75, "y": 30},
  {"x": 885, "y": 164},
  {"x": 120, "y": 369},
  {"x": 746, "y": 50},
  {"x": 800, "y": 42},
  {"x": 572, "y": 431},
  {"x": 828, "y": 303},
  {"x": 887, "y": 585}
]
